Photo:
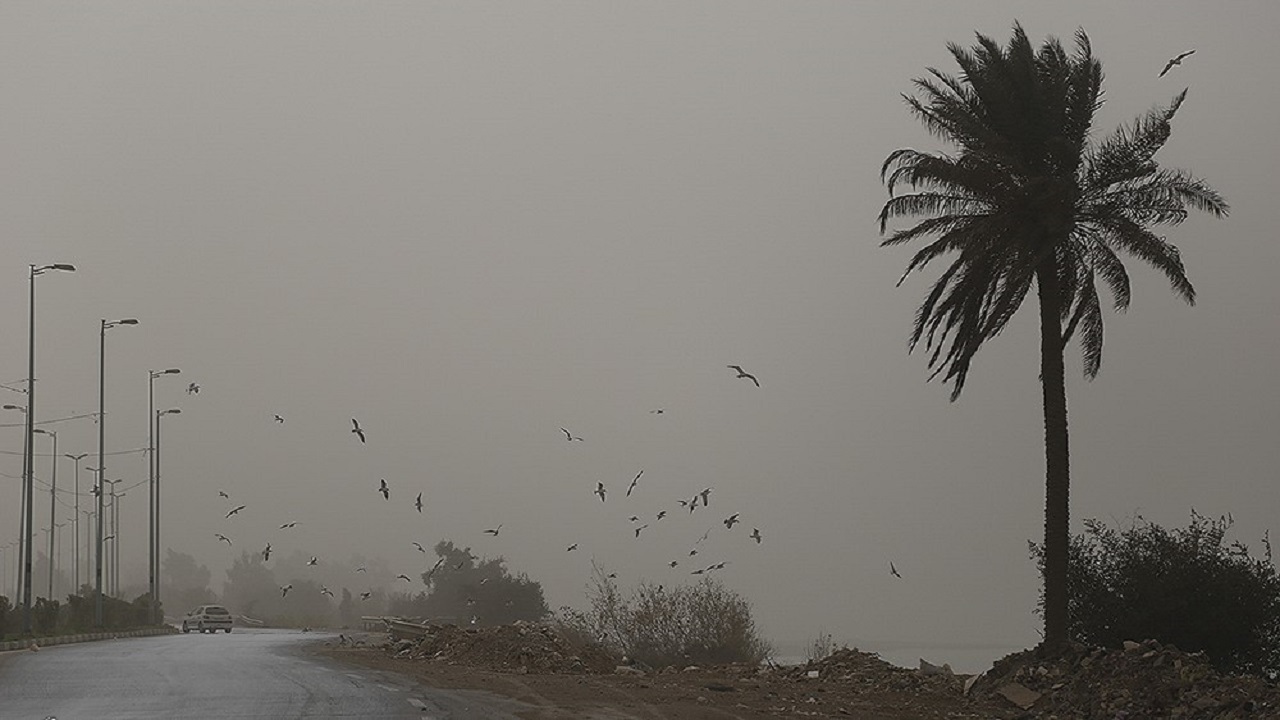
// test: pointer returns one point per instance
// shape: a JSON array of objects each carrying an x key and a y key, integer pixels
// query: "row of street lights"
[{"x": 27, "y": 535}]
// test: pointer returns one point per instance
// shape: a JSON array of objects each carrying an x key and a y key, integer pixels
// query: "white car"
[{"x": 207, "y": 618}]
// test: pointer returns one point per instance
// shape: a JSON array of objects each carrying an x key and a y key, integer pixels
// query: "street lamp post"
[
  {"x": 109, "y": 490},
  {"x": 75, "y": 544},
  {"x": 153, "y": 421},
  {"x": 102, "y": 426},
  {"x": 22, "y": 511},
  {"x": 156, "y": 509},
  {"x": 28, "y": 483},
  {"x": 53, "y": 500}
]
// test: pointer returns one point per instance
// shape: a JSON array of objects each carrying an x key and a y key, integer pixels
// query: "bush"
[
  {"x": 659, "y": 626},
  {"x": 44, "y": 616},
  {"x": 1185, "y": 586},
  {"x": 5, "y": 607}
]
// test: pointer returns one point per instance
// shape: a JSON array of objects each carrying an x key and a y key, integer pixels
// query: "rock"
[
  {"x": 1131, "y": 646},
  {"x": 928, "y": 668},
  {"x": 627, "y": 670},
  {"x": 1019, "y": 694}
]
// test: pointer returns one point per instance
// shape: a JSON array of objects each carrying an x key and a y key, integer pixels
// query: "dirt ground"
[{"x": 864, "y": 689}]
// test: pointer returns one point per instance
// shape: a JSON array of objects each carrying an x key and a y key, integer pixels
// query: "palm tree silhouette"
[{"x": 1028, "y": 198}]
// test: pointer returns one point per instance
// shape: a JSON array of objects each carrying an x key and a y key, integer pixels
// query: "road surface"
[{"x": 245, "y": 674}]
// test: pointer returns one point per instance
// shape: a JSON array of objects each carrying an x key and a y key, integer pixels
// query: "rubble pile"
[
  {"x": 1142, "y": 680},
  {"x": 866, "y": 672},
  {"x": 521, "y": 647}
]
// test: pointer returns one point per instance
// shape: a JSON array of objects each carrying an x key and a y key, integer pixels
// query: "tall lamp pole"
[
  {"x": 75, "y": 545},
  {"x": 154, "y": 421},
  {"x": 22, "y": 513},
  {"x": 27, "y": 533},
  {"x": 53, "y": 500},
  {"x": 156, "y": 509},
  {"x": 102, "y": 426}
]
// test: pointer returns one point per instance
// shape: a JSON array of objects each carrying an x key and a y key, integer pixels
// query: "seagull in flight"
[
  {"x": 894, "y": 571},
  {"x": 193, "y": 389},
  {"x": 460, "y": 564},
  {"x": 571, "y": 548},
  {"x": 744, "y": 374},
  {"x": 279, "y": 418},
  {"x": 355, "y": 428},
  {"x": 386, "y": 491},
  {"x": 600, "y": 490},
  {"x": 633, "y": 483},
  {"x": 291, "y": 523},
  {"x": 494, "y": 531},
  {"x": 1175, "y": 61},
  {"x": 266, "y": 553},
  {"x": 673, "y": 563},
  {"x": 418, "y": 503},
  {"x": 362, "y": 569},
  {"x": 706, "y": 492},
  {"x": 569, "y": 436},
  {"x": 223, "y": 538},
  {"x": 404, "y": 577},
  {"x": 420, "y": 548},
  {"x": 642, "y": 527},
  {"x": 284, "y": 589},
  {"x": 223, "y": 494},
  {"x": 657, "y": 411},
  {"x": 313, "y": 560},
  {"x": 698, "y": 572},
  {"x": 235, "y": 510},
  {"x": 662, "y": 514},
  {"x": 729, "y": 521},
  {"x": 755, "y": 535},
  {"x": 693, "y": 552},
  {"x": 326, "y": 591},
  {"x": 109, "y": 537},
  {"x": 365, "y": 595}
]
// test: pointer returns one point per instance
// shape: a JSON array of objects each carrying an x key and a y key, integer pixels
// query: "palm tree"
[{"x": 1029, "y": 198}]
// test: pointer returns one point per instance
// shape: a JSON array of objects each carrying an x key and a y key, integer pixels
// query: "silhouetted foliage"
[
  {"x": 184, "y": 583},
  {"x": 471, "y": 590},
  {"x": 663, "y": 626},
  {"x": 5, "y": 608},
  {"x": 1186, "y": 586}
]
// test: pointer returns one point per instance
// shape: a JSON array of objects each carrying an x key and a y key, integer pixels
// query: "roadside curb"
[{"x": 44, "y": 642}]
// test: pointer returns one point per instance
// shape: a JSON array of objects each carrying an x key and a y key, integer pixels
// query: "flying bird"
[
  {"x": 313, "y": 560},
  {"x": 706, "y": 492},
  {"x": 642, "y": 527},
  {"x": 279, "y": 419},
  {"x": 223, "y": 538},
  {"x": 658, "y": 411},
  {"x": 404, "y": 577},
  {"x": 361, "y": 569},
  {"x": 460, "y": 564},
  {"x": 494, "y": 531},
  {"x": 613, "y": 576},
  {"x": 569, "y": 436},
  {"x": 755, "y": 535},
  {"x": 418, "y": 503},
  {"x": 326, "y": 591},
  {"x": 1175, "y": 61},
  {"x": 419, "y": 546},
  {"x": 662, "y": 514},
  {"x": 693, "y": 552},
  {"x": 698, "y": 572},
  {"x": 266, "y": 553},
  {"x": 193, "y": 389},
  {"x": 386, "y": 491},
  {"x": 633, "y": 483},
  {"x": 284, "y": 589},
  {"x": 634, "y": 518},
  {"x": 729, "y": 521},
  {"x": 673, "y": 563},
  {"x": 235, "y": 510},
  {"x": 223, "y": 494},
  {"x": 365, "y": 595},
  {"x": 600, "y": 490},
  {"x": 286, "y": 526},
  {"x": 109, "y": 537},
  {"x": 744, "y": 374},
  {"x": 571, "y": 548},
  {"x": 894, "y": 571},
  {"x": 355, "y": 428}
]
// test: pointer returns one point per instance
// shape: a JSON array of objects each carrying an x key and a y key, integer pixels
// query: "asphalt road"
[{"x": 245, "y": 674}]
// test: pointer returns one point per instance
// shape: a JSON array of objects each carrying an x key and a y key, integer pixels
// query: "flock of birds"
[{"x": 700, "y": 499}]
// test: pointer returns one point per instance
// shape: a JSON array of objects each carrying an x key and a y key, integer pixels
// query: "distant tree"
[
  {"x": 250, "y": 588},
  {"x": 1186, "y": 586},
  {"x": 5, "y": 607},
  {"x": 1029, "y": 200},
  {"x": 348, "y": 614},
  {"x": 184, "y": 583},
  {"x": 469, "y": 589}
]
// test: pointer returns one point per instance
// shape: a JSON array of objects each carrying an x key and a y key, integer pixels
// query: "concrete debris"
[
  {"x": 1019, "y": 694},
  {"x": 928, "y": 668},
  {"x": 519, "y": 648}
]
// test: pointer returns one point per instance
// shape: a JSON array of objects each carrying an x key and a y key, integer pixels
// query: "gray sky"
[{"x": 470, "y": 224}]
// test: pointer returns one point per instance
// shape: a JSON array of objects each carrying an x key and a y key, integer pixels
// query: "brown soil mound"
[{"x": 521, "y": 647}]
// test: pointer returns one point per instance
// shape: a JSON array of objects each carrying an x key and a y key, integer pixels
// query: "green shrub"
[
  {"x": 663, "y": 626},
  {"x": 44, "y": 616},
  {"x": 1185, "y": 586}
]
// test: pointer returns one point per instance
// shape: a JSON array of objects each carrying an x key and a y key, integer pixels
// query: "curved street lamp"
[{"x": 102, "y": 426}]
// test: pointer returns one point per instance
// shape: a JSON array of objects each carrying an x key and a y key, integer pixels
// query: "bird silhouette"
[
  {"x": 404, "y": 577},
  {"x": 662, "y": 514},
  {"x": 634, "y": 518},
  {"x": 235, "y": 510},
  {"x": 326, "y": 591},
  {"x": 731, "y": 520},
  {"x": 418, "y": 503},
  {"x": 223, "y": 538},
  {"x": 279, "y": 419},
  {"x": 284, "y": 589},
  {"x": 571, "y": 548},
  {"x": 361, "y": 569},
  {"x": 755, "y": 535},
  {"x": 569, "y": 436},
  {"x": 1175, "y": 61},
  {"x": 355, "y": 428},
  {"x": 109, "y": 537},
  {"x": 641, "y": 528},
  {"x": 693, "y": 552},
  {"x": 673, "y": 563},
  {"x": 894, "y": 571},
  {"x": 657, "y": 411},
  {"x": 382, "y": 488},
  {"x": 494, "y": 531},
  {"x": 266, "y": 553},
  {"x": 313, "y": 560},
  {"x": 744, "y": 374},
  {"x": 706, "y": 493},
  {"x": 699, "y": 571},
  {"x": 193, "y": 389},
  {"x": 365, "y": 595},
  {"x": 613, "y": 576},
  {"x": 291, "y": 523},
  {"x": 600, "y": 490},
  {"x": 460, "y": 564},
  {"x": 419, "y": 546},
  {"x": 223, "y": 495},
  {"x": 633, "y": 483}
]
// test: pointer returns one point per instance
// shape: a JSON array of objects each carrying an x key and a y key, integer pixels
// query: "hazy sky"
[{"x": 469, "y": 224}]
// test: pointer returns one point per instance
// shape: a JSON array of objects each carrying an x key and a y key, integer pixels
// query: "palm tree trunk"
[{"x": 1057, "y": 511}]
